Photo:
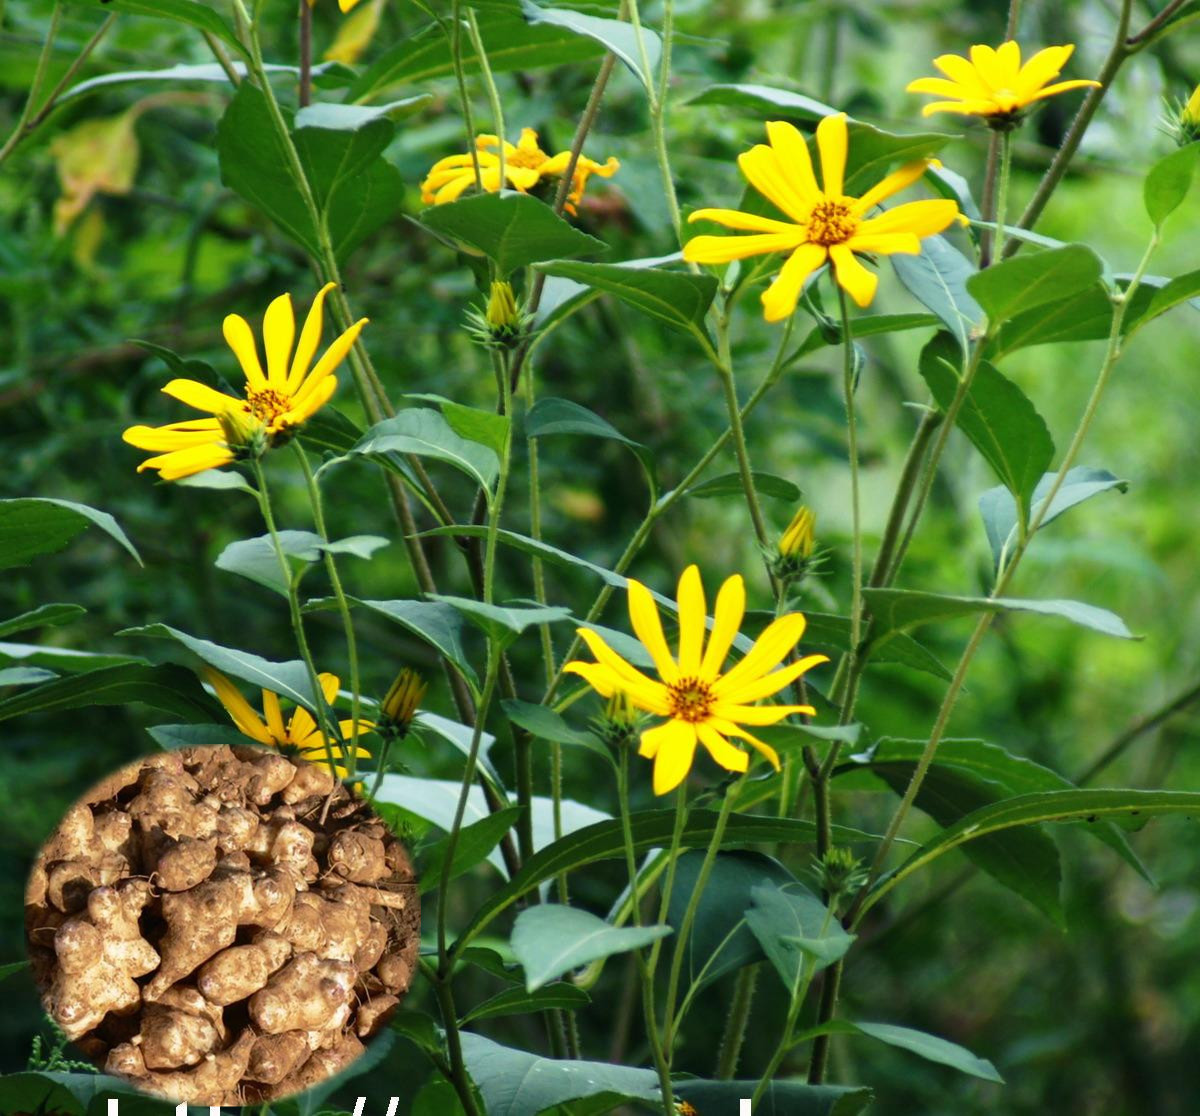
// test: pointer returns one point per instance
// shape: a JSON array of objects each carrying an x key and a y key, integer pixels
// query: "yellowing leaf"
[
  {"x": 355, "y": 34},
  {"x": 95, "y": 157}
]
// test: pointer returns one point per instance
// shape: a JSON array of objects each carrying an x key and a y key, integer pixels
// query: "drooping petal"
[
  {"x": 279, "y": 331},
  {"x": 792, "y": 149},
  {"x": 1063, "y": 87},
  {"x": 779, "y": 637},
  {"x": 764, "y": 172},
  {"x": 187, "y": 462},
  {"x": 645, "y": 691},
  {"x": 240, "y": 338},
  {"x": 523, "y": 178},
  {"x": 643, "y": 614},
  {"x": 855, "y": 279},
  {"x": 722, "y": 249},
  {"x": 727, "y": 619},
  {"x": 886, "y": 187},
  {"x": 310, "y": 339},
  {"x": 200, "y": 396},
  {"x": 772, "y": 683},
  {"x": 176, "y": 435},
  {"x": 764, "y": 749},
  {"x": 273, "y": 714},
  {"x": 692, "y": 614},
  {"x": 746, "y": 222},
  {"x": 237, "y": 707},
  {"x": 924, "y": 218},
  {"x": 674, "y": 749},
  {"x": 780, "y": 298},
  {"x": 723, "y": 753},
  {"x": 596, "y": 675},
  {"x": 832, "y": 142}
]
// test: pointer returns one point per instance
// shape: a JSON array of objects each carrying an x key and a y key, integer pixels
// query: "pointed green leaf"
[
  {"x": 1023, "y": 282},
  {"x": 190, "y": 12},
  {"x": 797, "y": 932},
  {"x": 937, "y": 278},
  {"x": 559, "y": 996},
  {"x": 30, "y": 526},
  {"x": 475, "y": 842},
  {"x": 45, "y": 616},
  {"x": 616, "y": 35},
  {"x": 503, "y": 623},
  {"x": 1168, "y": 182},
  {"x": 426, "y": 433},
  {"x": 546, "y": 724}
]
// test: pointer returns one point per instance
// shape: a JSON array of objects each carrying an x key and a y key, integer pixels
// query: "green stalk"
[
  {"x": 493, "y": 93},
  {"x": 656, "y": 98},
  {"x": 736, "y": 1021}
]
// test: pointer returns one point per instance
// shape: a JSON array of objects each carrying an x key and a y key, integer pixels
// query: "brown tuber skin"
[{"x": 210, "y": 924}]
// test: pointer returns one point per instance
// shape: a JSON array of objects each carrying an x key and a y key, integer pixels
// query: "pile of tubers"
[{"x": 222, "y": 926}]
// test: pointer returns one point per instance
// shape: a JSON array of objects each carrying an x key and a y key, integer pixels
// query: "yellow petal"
[
  {"x": 1063, "y": 87},
  {"x": 939, "y": 87},
  {"x": 200, "y": 396},
  {"x": 187, "y": 462},
  {"x": 650, "y": 694},
  {"x": 832, "y": 144},
  {"x": 924, "y": 218},
  {"x": 647, "y": 626},
  {"x": 1045, "y": 65},
  {"x": 769, "y": 649},
  {"x": 692, "y": 614},
  {"x": 279, "y": 331},
  {"x": 310, "y": 338},
  {"x": 892, "y": 184},
  {"x": 987, "y": 66},
  {"x": 780, "y": 298},
  {"x": 240, "y": 338},
  {"x": 1008, "y": 59},
  {"x": 176, "y": 435},
  {"x": 758, "y": 714},
  {"x": 237, "y": 706},
  {"x": 523, "y": 178},
  {"x": 793, "y": 153},
  {"x": 747, "y": 222},
  {"x": 599, "y": 677},
  {"x": 722, "y": 752},
  {"x": 958, "y": 69},
  {"x": 673, "y": 746},
  {"x": 763, "y": 171},
  {"x": 768, "y": 684},
  {"x": 334, "y": 355},
  {"x": 273, "y": 714},
  {"x": 730, "y": 729},
  {"x": 858, "y": 282},
  {"x": 886, "y": 244},
  {"x": 722, "y": 249},
  {"x": 727, "y": 619},
  {"x": 302, "y": 410}
]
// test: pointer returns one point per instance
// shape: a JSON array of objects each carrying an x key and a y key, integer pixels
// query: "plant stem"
[
  {"x": 848, "y": 387},
  {"x": 734, "y": 1034},
  {"x": 724, "y": 365},
  {"x": 493, "y": 93},
  {"x": 458, "y": 1075},
  {"x": 304, "y": 94}
]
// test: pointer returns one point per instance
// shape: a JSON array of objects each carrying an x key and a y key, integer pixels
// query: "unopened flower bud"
[
  {"x": 502, "y": 312},
  {"x": 799, "y": 540},
  {"x": 839, "y": 873},
  {"x": 243, "y": 431},
  {"x": 1186, "y": 125},
  {"x": 399, "y": 705},
  {"x": 503, "y": 322},
  {"x": 618, "y": 724}
]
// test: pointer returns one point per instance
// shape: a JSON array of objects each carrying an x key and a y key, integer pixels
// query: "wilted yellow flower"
[
  {"x": 700, "y": 703},
  {"x": 799, "y": 539},
  {"x": 300, "y": 737},
  {"x": 825, "y": 224},
  {"x": 95, "y": 157},
  {"x": 399, "y": 705},
  {"x": 525, "y": 165},
  {"x": 994, "y": 84},
  {"x": 277, "y": 402}
]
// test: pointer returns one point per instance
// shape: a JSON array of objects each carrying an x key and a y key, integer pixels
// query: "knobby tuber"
[{"x": 208, "y": 925}]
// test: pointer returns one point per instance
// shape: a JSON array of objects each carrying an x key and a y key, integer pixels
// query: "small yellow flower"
[
  {"x": 994, "y": 84},
  {"x": 399, "y": 705},
  {"x": 700, "y": 703},
  {"x": 799, "y": 539},
  {"x": 300, "y": 737},
  {"x": 277, "y": 401},
  {"x": 825, "y": 224},
  {"x": 525, "y": 165},
  {"x": 345, "y": 5},
  {"x": 502, "y": 313}
]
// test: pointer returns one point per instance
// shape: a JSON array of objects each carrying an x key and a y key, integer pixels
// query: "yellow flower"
[
  {"x": 277, "y": 401},
  {"x": 300, "y": 737},
  {"x": 525, "y": 165},
  {"x": 799, "y": 540},
  {"x": 399, "y": 705},
  {"x": 1190, "y": 114},
  {"x": 700, "y": 703},
  {"x": 824, "y": 223},
  {"x": 993, "y": 83}
]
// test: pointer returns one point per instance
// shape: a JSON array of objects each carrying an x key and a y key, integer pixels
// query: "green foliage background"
[{"x": 1103, "y": 1017}]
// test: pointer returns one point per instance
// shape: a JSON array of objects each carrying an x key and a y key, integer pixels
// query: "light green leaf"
[
  {"x": 503, "y": 623},
  {"x": 678, "y": 298},
  {"x": 616, "y": 35},
  {"x": 169, "y": 688},
  {"x": 999, "y": 511},
  {"x": 473, "y": 423},
  {"x": 207, "y": 72},
  {"x": 511, "y": 229},
  {"x": 1032, "y": 279},
  {"x": 426, "y": 433},
  {"x": 760, "y": 99},
  {"x": 546, "y": 724},
  {"x": 475, "y": 842},
  {"x": 220, "y": 480},
  {"x": 559, "y": 996},
  {"x": 1168, "y": 182},
  {"x": 551, "y": 940},
  {"x": 45, "y": 616},
  {"x": 1183, "y": 288},
  {"x": 797, "y": 932},
  {"x": 996, "y": 416},
  {"x": 937, "y": 278},
  {"x": 257, "y": 560},
  {"x": 190, "y": 12},
  {"x": 25, "y": 676},
  {"x": 514, "y": 1083},
  {"x": 30, "y": 526}
]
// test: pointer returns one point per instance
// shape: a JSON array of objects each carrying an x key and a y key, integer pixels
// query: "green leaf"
[
  {"x": 1023, "y": 282},
  {"x": 511, "y": 44},
  {"x": 329, "y": 429},
  {"x": 721, "y": 941},
  {"x": 195, "y": 14},
  {"x": 168, "y": 688},
  {"x": 171, "y": 737},
  {"x": 1183, "y": 288},
  {"x": 12, "y": 967},
  {"x": 551, "y": 940},
  {"x": 287, "y": 679},
  {"x": 902, "y": 609},
  {"x": 1168, "y": 182},
  {"x": 473, "y": 423},
  {"x": 615, "y": 35},
  {"x": 1034, "y": 809},
  {"x": 1085, "y": 316},
  {"x": 45, "y": 616},
  {"x": 30, "y": 526},
  {"x": 439, "y": 625},
  {"x": 678, "y": 298},
  {"x": 219, "y": 480},
  {"x": 426, "y": 433},
  {"x": 797, "y": 932},
  {"x": 511, "y": 229},
  {"x": 937, "y": 278},
  {"x": 867, "y": 326},
  {"x": 781, "y": 1098},
  {"x": 66, "y": 660},
  {"x": 515, "y": 1083},
  {"x": 996, "y": 416},
  {"x": 651, "y": 829},
  {"x": 207, "y": 72},
  {"x": 730, "y": 484},
  {"x": 561, "y": 416},
  {"x": 924, "y": 1045},
  {"x": 546, "y": 724},
  {"x": 25, "y": 676},
  {"x": 503, "y": 623},
  {"x": 759, "y": 99},
  {"x": 37, "y": 1093},
  {"x": 828, "y": 632},
  {"x": 999, "y": 511},
  {"x": 559, "y": 996},
  {"x": 474, "y": 843},
  {"x": 257, "y": 560}
]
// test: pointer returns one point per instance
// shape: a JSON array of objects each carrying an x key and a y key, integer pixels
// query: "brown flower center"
[
  {"x": 266, "y": 404},
  {"x": 831, "y": 222},
  {"x": 691, "y": 700}
]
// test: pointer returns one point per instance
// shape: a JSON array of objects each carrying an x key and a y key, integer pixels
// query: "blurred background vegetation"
[{"x": 124, "y": 231}]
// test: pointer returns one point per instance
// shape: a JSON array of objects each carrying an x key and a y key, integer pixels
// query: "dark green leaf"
[
  {"x": 257, "y": 559},
  {"x": 171, "y": 737},
  {"x": 1032, "y": 279},
  {"x": 730, "y": 484},
  {"x": 546, "y": 724},
  {"x": 30, "y": 526},
  {"x": 474, "y": 843},
  {"x": 559, "y": 996},
  {"x": 201, "y": 16},
  {"x": 797, "y": 932},
  {"x": 46, "y": 616},
  {"x": 561, "y": 416},
  {"x": 503, "y": 623},
  {"x": 760, "y": 99}
]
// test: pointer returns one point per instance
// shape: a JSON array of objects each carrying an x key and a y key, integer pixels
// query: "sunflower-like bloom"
[
  {"x": 299, "y": 737},
  {"x": 700, "y": 703},
  {"x": 824, "y": 224},
  {"x": 994, "y": 84},
  {"x": 276, "y": 403},
  {"x": 525, "y": 165}
]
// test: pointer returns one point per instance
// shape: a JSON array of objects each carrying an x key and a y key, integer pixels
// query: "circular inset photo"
[{"x": 222, "y": 926}]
